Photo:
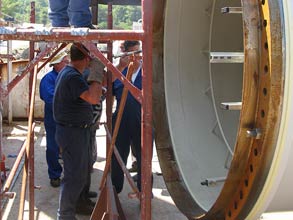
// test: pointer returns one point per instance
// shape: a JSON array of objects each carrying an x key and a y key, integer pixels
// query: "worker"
[
  {"x": 130, "y": 127},
  {"x": 47, "y": 88},
  {"x": 73, "y": 114},
  {"x": 65, "y": 13},
  {"x": 97, "y": 113},
  {"x": 133, "y": 168}
]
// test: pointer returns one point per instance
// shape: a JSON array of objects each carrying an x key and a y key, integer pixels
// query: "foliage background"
[{"x": 19, "y": 10}]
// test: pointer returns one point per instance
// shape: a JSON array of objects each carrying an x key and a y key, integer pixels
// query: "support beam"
[
  {"x": 231, "y": 10},
  {"x": 226, "y": 57},
  {"x": 146, "y": 112},
  {"x": 231, "y": 105},
  {"x": 68, "y": 34}
]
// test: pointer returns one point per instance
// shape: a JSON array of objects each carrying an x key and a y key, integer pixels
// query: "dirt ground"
[{"x": 46, "y": 198}]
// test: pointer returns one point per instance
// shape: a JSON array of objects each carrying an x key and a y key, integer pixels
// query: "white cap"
[{"x": 58, "y": 58}]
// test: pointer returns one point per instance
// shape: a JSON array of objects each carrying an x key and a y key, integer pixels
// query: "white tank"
[{"x": 223, "y": 105}]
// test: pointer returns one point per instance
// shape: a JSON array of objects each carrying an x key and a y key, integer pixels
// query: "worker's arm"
[
  {"x": 93, "y": 94},
  {"x": 95, "y": 78},
  {"x": 47, "y": 87},
  {"x": 123, "y": 63}
]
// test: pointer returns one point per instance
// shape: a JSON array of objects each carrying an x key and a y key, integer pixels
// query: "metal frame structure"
[{"x": 88, "y": 37}]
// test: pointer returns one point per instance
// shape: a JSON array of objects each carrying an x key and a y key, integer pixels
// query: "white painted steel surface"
[{"x": 194, "y": 91}]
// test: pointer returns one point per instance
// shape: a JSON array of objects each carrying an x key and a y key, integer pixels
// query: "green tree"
[
  {"x": 123, "y": 16},
  {"x": 102, "y": 17},
  {"x": 42, "y": 12},
  {"x": 20, "y": 10},
  {"x": 16, "y": 9}
]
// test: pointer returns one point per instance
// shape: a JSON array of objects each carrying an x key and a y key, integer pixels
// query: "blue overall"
[
  {"x": 64, "y": 13},
  {"x": 47, "y": 88},
  {"x": 73, "y": 116},
  {"x": 129, "y": 132}
]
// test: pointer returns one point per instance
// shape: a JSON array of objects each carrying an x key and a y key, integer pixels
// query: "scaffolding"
[{"x": 53, "y": 36}]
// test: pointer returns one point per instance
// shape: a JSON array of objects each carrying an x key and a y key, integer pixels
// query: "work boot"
[
  {"x": 91, "y": 26},
  {"x": 92, "y": 194},
  {"x": 135, "y": 177},
  {"x": 55, "y": 182},
  {"x": 90, "y": 202},
  {"x": 85, "y": 201},
  {"x": 85, "y": 207},
  {"x": 133, "y": 168}
]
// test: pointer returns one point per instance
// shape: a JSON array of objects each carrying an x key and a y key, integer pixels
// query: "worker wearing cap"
[{"x": 47, "y": 88}]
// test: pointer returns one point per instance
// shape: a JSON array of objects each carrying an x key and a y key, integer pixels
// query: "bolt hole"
[
  {"x": 262, "y": 113},
  {"x": 266, "y": 45},
  {"x": 246, "y": 182},
  {"x": 241, "y": 194},
  {"x": 251, "y": 168},
  {"x": 265, "y": 91},
  {"x": 265, "y": 23},
  {"x": 229, "y": 213},
  {"x": 235, "y": 205},
  {"x": 263, "y": 2},
  {"x": 266, "y": 68},
  {"x": 255, "y": 152}
]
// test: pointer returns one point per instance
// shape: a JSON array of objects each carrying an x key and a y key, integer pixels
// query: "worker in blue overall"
[
  {"x": 73, "y": 113},
  {"x": 47, "y": 88},
  {"x": 130, "y": 127}
]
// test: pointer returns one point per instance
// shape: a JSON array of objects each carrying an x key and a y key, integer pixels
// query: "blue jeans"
[{"x": 64, "y": 13}]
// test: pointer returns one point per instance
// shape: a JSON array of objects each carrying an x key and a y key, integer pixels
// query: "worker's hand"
[
  {"x": 96, "y": 68},
  {"x": 123, "y": 62}
]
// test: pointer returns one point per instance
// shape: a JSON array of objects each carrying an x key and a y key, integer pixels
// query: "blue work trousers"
[
  {"x": 52, "y": 152},
  {"x": 75, "y": 144},
  {"x": 64, "y": 13},
  {"x": 93, "y": 145},
  {"x": 129, "y": 133}
]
